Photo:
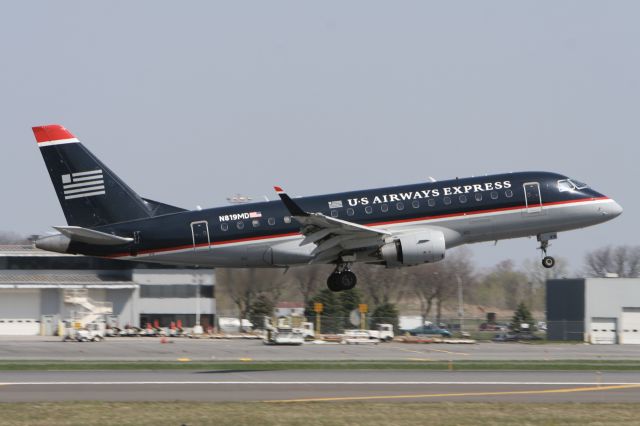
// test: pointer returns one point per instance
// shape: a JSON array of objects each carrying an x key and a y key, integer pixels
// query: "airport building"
[
  {"x": 39, "y": 289},
  {"x": 594, "y": 310}
]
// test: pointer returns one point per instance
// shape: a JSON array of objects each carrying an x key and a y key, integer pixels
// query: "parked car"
[
  {"x": 515, "y": 337},
  {"x": 430, "y": 330}
]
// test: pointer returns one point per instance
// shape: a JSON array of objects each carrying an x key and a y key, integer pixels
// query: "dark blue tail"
[{"x": 89, "y": 192}]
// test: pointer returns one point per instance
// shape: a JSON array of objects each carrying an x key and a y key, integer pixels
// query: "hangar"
[
  {"x": 38, "y": 289},
  {"x": 594, "y": 310}
]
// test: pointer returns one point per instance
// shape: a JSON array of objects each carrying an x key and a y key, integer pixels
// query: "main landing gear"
[
  {"x": 547, "y": 261},
  {"x": 342, "y": 279}
]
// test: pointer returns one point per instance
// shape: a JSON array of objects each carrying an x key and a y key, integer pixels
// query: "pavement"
[
  {"x": 292, "y": 387},
  {"x": 151, "y": 349}
]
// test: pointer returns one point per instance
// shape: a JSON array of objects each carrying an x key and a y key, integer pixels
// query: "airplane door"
[
  {"x": 532, "y": 197},
  {"x": 200, "y": 234}
]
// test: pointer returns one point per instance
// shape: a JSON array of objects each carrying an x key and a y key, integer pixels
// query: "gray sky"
[{"x": 190, "y": 102}]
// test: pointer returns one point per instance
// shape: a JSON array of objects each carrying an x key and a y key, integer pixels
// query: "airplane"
[{"x": 394, "y": 226}]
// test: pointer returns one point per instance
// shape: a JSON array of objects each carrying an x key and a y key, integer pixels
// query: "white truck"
[
  {"x": 383, "y": 333},
  {"x": 92, "y": 332},
  {"x": 307, "y": 331},
  {"x": 284, "y": 336}
]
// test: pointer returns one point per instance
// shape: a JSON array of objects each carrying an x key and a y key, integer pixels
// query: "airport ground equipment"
[
  {"x": 87, "y": 322},
  {"x": 384, "y": 333}
]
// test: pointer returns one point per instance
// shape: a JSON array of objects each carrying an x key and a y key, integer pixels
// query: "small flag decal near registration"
[
  {"x": 83, "y": 184},
  {"x": 254, "y": 215},
  {"x": 335, "y": 204}
]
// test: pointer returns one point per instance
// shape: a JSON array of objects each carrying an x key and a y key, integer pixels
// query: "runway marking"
[
  {"x": 437, "y": 395},
  {"x": 433, "y": 350},
  {"x": 448, "y": 352},
  {"x": 288, "y": 383}
]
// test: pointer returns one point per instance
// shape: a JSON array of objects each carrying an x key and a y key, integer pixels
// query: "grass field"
[
  {"x": 584, "y": 365},
  {"x": 315, "y": 414}
]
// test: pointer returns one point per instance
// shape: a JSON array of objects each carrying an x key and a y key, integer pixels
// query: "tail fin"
[{"x": 90, "y": 194}]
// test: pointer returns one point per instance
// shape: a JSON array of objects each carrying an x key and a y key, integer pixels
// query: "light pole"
[
  {"x": 197, "y": 328},
  {"x": 460, "y": 302}
]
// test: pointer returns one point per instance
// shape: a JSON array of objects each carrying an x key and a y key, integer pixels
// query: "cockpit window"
[
  {"x": 570, "y": 185},
  {"x": 578, "y": 184},
  {"x": 564, "y": 185}
]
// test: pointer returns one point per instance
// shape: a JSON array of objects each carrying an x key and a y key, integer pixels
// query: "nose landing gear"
[
  {"x": 342, "y": 279},
  {"x": 547, "y": 261}
]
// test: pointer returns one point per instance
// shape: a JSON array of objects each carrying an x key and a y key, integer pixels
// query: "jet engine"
[{"x": 414, "y": 248}]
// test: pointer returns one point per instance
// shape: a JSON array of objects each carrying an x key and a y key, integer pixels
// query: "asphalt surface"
[
  {"x": 303, "y": 386},
  {"x": 151, "y": 349}
]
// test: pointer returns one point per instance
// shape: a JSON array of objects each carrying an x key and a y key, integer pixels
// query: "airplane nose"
[
  {"x": 617, "y": 209},
  {"x": 614, "y": 209}
]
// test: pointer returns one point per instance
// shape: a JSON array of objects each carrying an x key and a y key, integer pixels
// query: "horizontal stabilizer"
[{"x": 89, "y": 236}]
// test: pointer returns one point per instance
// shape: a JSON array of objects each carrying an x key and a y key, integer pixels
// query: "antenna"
[{"x": 239, "y": 199}]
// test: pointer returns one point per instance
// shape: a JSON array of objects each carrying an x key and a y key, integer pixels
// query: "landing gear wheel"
[
  {"x": 348, "y": 280},
  {"x": 548, "y": 262},
  {"x": 334, "y": 282}
]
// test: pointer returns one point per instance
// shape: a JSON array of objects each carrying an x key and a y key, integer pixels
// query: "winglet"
[{"x": 293, "y": 208}]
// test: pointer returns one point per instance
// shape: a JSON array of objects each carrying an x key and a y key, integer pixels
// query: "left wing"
[{"x": 333, "y": 237}]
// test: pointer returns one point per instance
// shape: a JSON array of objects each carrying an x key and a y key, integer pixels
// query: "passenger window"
[
  {"x": 478, "y": 196},
  {"x": 350, "y": 212},
  {"x": 494, "y": 195},
  {"x": 368, "y": 210},
  {"x": 224, "y": 226},
  {"x": 384, "y": 208},
  {"x": 463, "y": 199},
  {"x": 415, "y": 204},
  {"x": 240, "y": 225},
  {"x": 400, "y": 206},
  {"x": 334, "y": 213},
  {"x": 271, "y": 221},
  {"x": 431, "y": 202},
  {"x": 255, "y": 223},
  {"x": 447, "y": 200},
  {"x": 287, "y": 219},
  {"x": 508, "y": 193}
]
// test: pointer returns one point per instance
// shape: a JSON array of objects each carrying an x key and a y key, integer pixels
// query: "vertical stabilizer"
[{"x": 89, "y": 192}]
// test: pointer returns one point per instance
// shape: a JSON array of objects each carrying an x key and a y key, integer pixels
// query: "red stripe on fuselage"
[{"x": 290, "y": 234}]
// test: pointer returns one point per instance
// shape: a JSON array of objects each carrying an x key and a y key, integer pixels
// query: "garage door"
[
  {"x": 19, "y": 327},
  {"x": 630, "y": 326},
  {"x": 19, "y": 312},
  {"x": 603, "y": 331}
]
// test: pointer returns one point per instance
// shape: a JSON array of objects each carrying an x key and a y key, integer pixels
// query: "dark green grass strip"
[{"x": 585, "y": 365}]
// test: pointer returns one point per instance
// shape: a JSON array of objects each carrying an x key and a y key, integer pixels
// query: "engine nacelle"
[{"x": 414, "y": 248}]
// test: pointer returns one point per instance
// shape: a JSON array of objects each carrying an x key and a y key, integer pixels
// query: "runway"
[
  {"x": 151, "y": 349},
  {"x": 280, "y": 387}
]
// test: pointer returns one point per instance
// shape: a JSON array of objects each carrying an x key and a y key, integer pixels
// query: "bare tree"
[
  {"x": 503, "y": 286},
  {"x": 381, "y": 285},
  {"x": 310, "y": 279},
  {"x": 244, "y": 286},
  {"x": 423, "y": 281},
  {"x": 457, "y": 269},
  {"x": 621, "y": 260},
  {"x": 537, "y": 276}
]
